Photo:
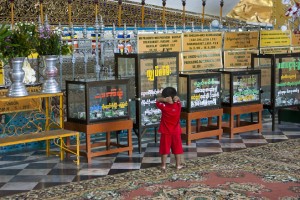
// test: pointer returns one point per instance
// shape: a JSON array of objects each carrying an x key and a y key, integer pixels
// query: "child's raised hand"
[
  {"x": 169, "y": 100},
  {"x": 176, "y": 98}
]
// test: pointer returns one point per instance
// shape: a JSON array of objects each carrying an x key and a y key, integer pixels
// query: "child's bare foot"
[
  {"x": 163, "y": 167},
  {"x": 179, "y": 167}
]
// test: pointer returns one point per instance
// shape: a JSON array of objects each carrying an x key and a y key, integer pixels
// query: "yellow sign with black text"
[
  {"x": 275, "y": 38},
  {"x": 153, "y": 43},
  {"x": 196, "y": 41},
  {"x": 235, "y": 40}
]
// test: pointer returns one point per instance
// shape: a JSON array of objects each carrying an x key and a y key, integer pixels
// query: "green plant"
[
  {"x": 18, "y": 42},
  {"x": 48, "y": 42}
]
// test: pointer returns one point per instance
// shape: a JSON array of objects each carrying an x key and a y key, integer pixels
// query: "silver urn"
[
  {"x": 17, "y": 87},
  {"x": 50, "y": 84}
]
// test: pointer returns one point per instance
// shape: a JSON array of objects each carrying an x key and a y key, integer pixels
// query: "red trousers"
[{"x": 170, "y": 141}]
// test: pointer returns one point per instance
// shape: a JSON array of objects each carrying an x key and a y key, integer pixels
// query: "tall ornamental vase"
[
  {"x": 17, "y": 87},
  {"x": 50, "y": 85}
]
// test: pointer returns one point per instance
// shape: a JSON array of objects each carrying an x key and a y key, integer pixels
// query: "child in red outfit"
[{"x": 169, "y": 127}]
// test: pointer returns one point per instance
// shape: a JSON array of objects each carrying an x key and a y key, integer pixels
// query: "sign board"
[
  {"x": 295, "y": 49},
  {"x": 275, "y": 50},
  {"x": 200, "y": 60},
  {"x": 234, "y": 40},
  {"x": 265, "y": 62},
  {"x": 151, "y": 43},
  {"x": 201, "y": 41},
  {"x": 15, "y": 105},
  {"x": 238, "y": 59},
  {"x": 275, "y": 38},
  {"x": 295, "y": 39}
]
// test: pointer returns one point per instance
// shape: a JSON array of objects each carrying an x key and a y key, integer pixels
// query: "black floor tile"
[
  {"x": 189, "y": 149},
  {"x": 63, "y": 172},
  {"x": 119, "y": 171},
  {"x": 208, "y": 145},
  {"x": 293, "y": 136},
  {"x": 204, "y": 154},
  {"x": 153, "y": 144},
  {"x": 231, "y": 149},
  {"x": 223, "y": 140},
  {"x": 252, "y": 136},
  {"x": 151, "y": 154},
  {"x": 26, "y": 178},
  {"x": 272, "y": 132},
  {"x": 249, "y": 145},
  {"x": 98, "y": 165},
  {"x": 148, "y": 165},
  {"x": 9, "y": 171},
  {"x": 40, "y": 165},
  {"x": 128, "y": 160},
  {"x": 13, "y": 158},
  {"x": 84, "y": 177},
  {"x": 4, "y": 193},
  {"x": 275, "y": 140},
  {"x": 44, "y": 185}
]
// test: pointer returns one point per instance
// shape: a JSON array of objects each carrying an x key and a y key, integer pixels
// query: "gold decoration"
[{"x": 253, "y": 11}]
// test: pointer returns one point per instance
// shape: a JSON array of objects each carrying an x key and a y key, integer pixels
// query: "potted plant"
[{"x": 15, "y": 45}]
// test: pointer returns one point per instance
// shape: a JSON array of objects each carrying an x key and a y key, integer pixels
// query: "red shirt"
[{"x": 170, "y": 118}]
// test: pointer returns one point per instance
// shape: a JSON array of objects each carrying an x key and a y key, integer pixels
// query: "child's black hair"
[{"x": 169, "y": 92}]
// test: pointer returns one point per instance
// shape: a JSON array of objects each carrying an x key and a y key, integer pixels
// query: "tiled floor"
[{"x": 32, "y": 170}]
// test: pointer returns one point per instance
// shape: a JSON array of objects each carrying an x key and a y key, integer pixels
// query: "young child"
[{"x": 169, "y": 127}]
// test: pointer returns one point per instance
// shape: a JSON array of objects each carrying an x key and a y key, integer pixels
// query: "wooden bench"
[{"x": 56, "y": 135}]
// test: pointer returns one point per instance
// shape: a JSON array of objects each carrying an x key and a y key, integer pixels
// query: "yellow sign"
[
  {"x": 158, "y": 71},
  {"x": 295, "y": 39},
  {"x": 200, "y": 60},
  {"x": 151, "y": 43},
  {"x": 275, "y": 38},
  {"x": 2, "y": 81},
  {"x": 202, "y": 41},
  {"x": 234, "y": 40},
  {"x": 238, "y": 59},
  {"x": 295, "y": 49},
  {"x": 13, "y": 105},
  {"x": 266, "y": 62}
]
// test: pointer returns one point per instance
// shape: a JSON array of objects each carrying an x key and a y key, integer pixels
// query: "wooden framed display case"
[
  {"x": 149, "y": 73},
  {"x": 200, "y": 97},
  {"x": 280, "y": 80},
  {"x": 199, "y": 90},
  {"x": 96, "y": 101},
  {"x": 240, "y": 87}
]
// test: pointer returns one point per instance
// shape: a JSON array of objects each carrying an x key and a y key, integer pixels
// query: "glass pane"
[
  {"x": 182, "y": 91},
  {"x": 287, "y": 82},
  {"x": 246, "y": 88},
  {"x": 225, "y": 95},
  {"x": 126, "y": 67},
  {"x": 76, "y": 101},
  {"x": 205, "y": 92},
  {"x": 108, "y": 101}
]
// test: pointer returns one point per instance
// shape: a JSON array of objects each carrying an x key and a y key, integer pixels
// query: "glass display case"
[
  {"x": 149, "y": 74},
  {"x": 199, "y": 90},
  {"x": 240, "y": 86},
  {"x": 280, "y": 79},
  {"x": 96, "y": 101}
]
